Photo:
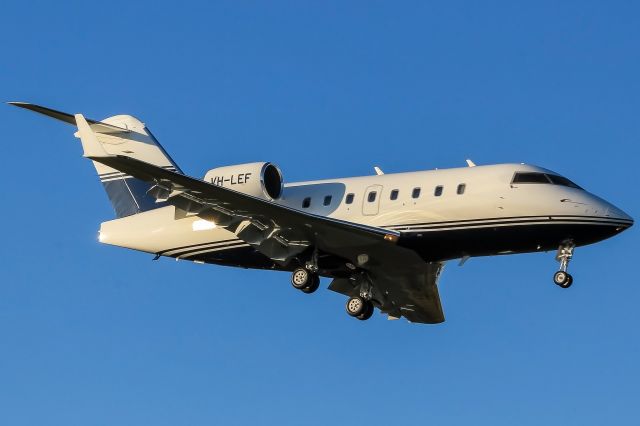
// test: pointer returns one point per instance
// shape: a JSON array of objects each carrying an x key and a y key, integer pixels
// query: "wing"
[{"x": 396, "y": 277}]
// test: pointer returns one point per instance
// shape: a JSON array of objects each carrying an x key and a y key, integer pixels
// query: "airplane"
[{"x": 382, "y": 239}]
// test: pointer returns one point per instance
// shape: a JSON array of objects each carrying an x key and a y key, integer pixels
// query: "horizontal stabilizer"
[{"x": 96, "y": 126}]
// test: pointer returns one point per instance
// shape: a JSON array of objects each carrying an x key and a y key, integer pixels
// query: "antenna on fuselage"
[
  {"x": 378, "y": 170},
  {"x": 470, "y": 163}
]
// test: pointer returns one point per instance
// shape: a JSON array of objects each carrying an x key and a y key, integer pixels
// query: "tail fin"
[{"x": 120, "y": 135}]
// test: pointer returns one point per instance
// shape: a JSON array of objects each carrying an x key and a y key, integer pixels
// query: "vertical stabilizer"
[{"x": 117, "y": 135}]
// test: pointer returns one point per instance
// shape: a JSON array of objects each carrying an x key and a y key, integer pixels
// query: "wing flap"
[{"x": 404, "y": 284}]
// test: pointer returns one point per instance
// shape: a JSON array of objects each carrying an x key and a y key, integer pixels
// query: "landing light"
[
  {"x": 391, "y": 238},
  {"x": 202, "y": 225}
]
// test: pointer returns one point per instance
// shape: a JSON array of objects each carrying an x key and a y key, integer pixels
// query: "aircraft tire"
[
  {"x": 313, "y": 285},
  {"x": 563, "y": 279},
  {"x": 356, "y": 306},
  {"x": 300, "y": 278},
  {"x": 367, "y": 313},
  {"x": 568, "y": 283}
]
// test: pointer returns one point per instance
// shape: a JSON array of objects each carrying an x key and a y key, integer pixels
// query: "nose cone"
[
  {"x": 626, "y": 221},
  {"x": 617, "y": 213},
  {"x": 606, "y": 220},
  {"x": 599, "y": 219},
  {"x": 607, "y": 216},
  {"x": 602, "y": 208},
  {"x": 614, "y": 214}
]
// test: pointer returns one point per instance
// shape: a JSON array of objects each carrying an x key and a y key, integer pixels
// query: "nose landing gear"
[{"x": 562, "y": 278}]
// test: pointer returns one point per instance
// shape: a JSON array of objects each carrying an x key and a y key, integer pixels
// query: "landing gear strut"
[
  {"x": 303, "y": 279},
  {"x": 562, "y": 278}
]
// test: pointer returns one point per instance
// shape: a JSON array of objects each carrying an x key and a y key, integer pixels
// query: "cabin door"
[{"x": 371, "y": 200}]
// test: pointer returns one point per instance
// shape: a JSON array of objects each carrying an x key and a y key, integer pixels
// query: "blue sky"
[{"x": 95, "y": 335}]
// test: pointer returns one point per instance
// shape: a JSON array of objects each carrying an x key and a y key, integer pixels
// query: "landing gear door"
[{"x": 371, "y": 201}]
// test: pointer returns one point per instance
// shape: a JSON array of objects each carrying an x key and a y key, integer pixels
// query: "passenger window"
[
  {"x": 327, "y": 200},
  {"x": 394, "y": 194},
  {"x": 306, "y": 203},
  {"x": 349, "y": 199},
  {"x": 438, "y": 190},
  {"x": 415, "y": 193},
  {"x": 372, "y": 196},
  {"x": 461, "y": 188}
]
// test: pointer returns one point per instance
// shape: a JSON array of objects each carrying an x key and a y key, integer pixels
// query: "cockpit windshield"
[{"x": 534, "y": 177}]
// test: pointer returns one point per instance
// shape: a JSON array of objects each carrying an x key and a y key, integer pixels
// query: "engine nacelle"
[{"x": 263, "y": 180}]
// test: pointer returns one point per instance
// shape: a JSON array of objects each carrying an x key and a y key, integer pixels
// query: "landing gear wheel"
[
  {"x": 313, "y": 285},
  {"x": 568, "y": 283},
  {"x": 300, "y": 278},
  {"x": 356, "y": 306},
  {"x": 367, "y": 313},
  {"x": 563, "y": 279}
]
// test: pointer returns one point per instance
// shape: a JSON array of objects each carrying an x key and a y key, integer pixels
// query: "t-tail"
[{"x": 120, "y": 135}]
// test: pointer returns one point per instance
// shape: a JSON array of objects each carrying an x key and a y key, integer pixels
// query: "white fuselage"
[{"x": 479, "y": 211}]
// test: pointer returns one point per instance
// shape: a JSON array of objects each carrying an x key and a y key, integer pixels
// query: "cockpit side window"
[
  {"x": 530, "y": 177},
  {"x": 561, "y": 180}
]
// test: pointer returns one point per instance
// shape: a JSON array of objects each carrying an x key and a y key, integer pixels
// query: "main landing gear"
[
  {"x": 359, "y": 308},
  {"x": 303, "y": 279},
  {"x": 562, "y": 278},
  {"x": 306, "y": 279}
]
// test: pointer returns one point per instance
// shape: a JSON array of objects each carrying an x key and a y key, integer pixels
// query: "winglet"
[
  {"x": 97, "y": 126},
  {"x": 90, "y": 144},
  {"x": 378, "y": 170}
]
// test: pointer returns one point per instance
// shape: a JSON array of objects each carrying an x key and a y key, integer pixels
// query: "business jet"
[{"x": 382, "y": 239}]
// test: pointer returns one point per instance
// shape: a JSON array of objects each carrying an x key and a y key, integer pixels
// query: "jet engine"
[{"x": 262, "y": 180}]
